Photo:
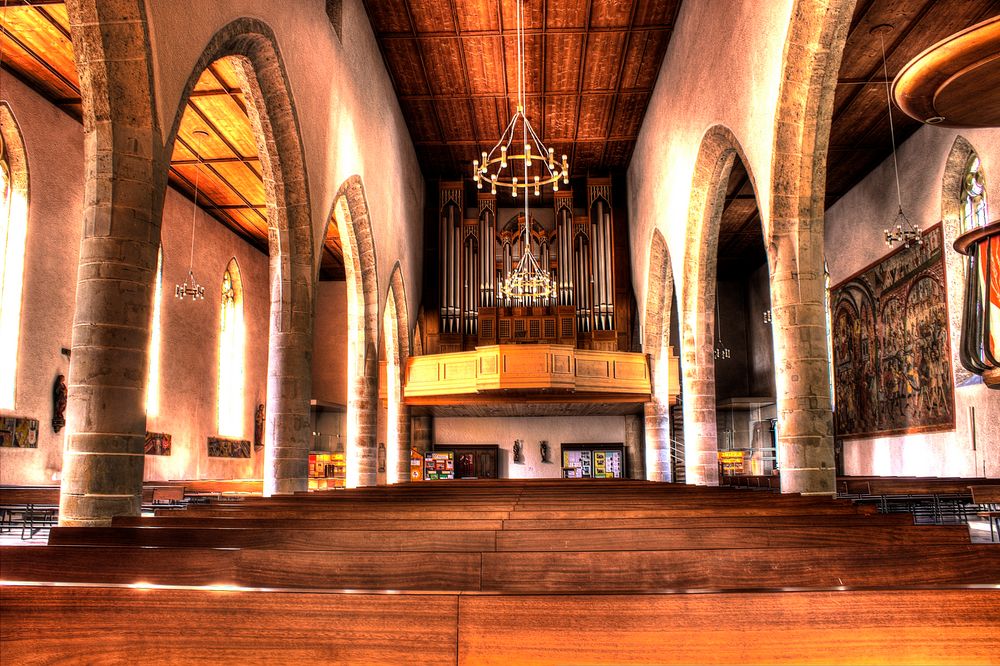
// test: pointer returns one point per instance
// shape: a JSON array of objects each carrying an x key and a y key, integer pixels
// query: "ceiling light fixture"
[
  {"x": 903, "y": 231},
  {"x": 538, "y": 168},
  {"x": 191, "y": 288}
]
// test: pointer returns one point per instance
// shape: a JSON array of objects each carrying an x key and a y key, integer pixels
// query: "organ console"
[{"x": 479, "y": 247}]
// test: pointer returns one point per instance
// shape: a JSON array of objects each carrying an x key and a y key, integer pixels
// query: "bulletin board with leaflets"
[
  {"x": 733, "y": 463},
  {"x": 327, "y": 470},
  {"x": 593, "y": 461},
  {"x": 439, "y": 466}
]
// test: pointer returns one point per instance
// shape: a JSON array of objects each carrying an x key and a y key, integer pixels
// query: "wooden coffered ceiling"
[{"x": 590, "y": 69}]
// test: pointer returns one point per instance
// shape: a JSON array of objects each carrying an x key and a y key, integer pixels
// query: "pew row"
[{"x": 192, "y": 625}]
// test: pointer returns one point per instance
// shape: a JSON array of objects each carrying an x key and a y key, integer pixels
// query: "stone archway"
[
  {"x": 659, "y": 298},
  {"x": 794, "y": 237},
  {"x": 105, "y": 418},
  {"x": 350, "y": 214},
  {"x": 396, "y": 330},
  {"x": 716, "y": 155},
  {"x": 289, "y": 367}
]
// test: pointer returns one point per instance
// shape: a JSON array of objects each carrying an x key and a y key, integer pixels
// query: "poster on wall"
[
  {"x": 220, "y": 447},
  {"x": 157, "y": 444},
  {"x": 891, "y": 345},
  {"x": 18, "y": 432}
]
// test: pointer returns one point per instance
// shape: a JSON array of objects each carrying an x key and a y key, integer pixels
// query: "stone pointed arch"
[
  {"x": 716, "y": 155},
  {"x": 105, "y": 418},
  {"x": 398, "y": 348},
  {"x": 351, "y": 216},
  {"x": 794, "y": 237},
  {"x": 659, "y": 297},
  {"x": 951, "y": 221},
  {"x": 271, "y": 109}
]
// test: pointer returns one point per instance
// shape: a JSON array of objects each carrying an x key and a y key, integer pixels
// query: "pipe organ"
[{"x": 478, "y": 250}]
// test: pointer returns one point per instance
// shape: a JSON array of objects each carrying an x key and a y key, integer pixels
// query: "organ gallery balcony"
[{"x": 533, "y": 373}]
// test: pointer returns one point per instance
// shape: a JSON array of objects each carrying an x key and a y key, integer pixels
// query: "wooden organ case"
[{"x": 476, "y": 252}]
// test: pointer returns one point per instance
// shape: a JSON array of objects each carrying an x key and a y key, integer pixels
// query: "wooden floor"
[{"x": 506, "y": 572}]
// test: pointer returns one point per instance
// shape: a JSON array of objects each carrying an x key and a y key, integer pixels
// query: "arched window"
[
  {"x": 231, "y": 345},
  {"x": 153, "y": 374},
  {"x": 13, "y": 231},
  {"x": 974, "y": 212}
]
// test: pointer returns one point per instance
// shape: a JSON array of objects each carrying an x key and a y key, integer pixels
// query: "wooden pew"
[
  {"x": 748, "y": 628},
  {"x": 281, "y": 539},
  {"x": 524, "y": 572},
  {"x": 185, "y": 519},
  {"x": 301, "y": 569},
  {"x": 44, "y": 625},
  {"x": 122, "y": 624},
  {"x": 680, "y": 538}
]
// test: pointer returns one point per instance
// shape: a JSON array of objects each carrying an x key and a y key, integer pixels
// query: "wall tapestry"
[
  {"x": 157, "y": 444},
  {"x": 220, "y": 447},
  {"x": 19, "y": 432},
  {"x": 891, "y": 345}
]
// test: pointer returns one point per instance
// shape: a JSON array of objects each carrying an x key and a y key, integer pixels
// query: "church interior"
[{"x": 500, "y": 331}]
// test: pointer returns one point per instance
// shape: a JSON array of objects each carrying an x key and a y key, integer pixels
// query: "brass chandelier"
[{"x": 534, "y": 168}]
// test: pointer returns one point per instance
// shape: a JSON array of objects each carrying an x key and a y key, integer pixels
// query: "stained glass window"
[
  {"x": 13, "y": 229},
  {"x": 231, "y": 354},
  {"x": 974, "y": 211}
]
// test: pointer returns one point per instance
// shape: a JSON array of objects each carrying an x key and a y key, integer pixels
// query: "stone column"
[
  {"x": 421, "y": 432},
  {"x": 289, "y": 361},
  {"x": 105, "y": 418},
  {"x": 701, "y": 445},
  {"x": 403, "y": 426},
  {"x": 634, "y": 450},
  {"x": 365, "y": 402},
  {"x": 658, "y": 448},
  {"x": 805, "y": 416}
]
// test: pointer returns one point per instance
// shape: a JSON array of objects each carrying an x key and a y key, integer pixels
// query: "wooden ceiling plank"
[
  {"x": 186, "y": 188},
  {"x": 465, "y": 76},
  {"x": 228, "y": 117},
  {"x": 423, "y": 65},
  {"x": 898, "y": 35},
  {"x": 595, "y": 30},
  {"x": 621, "y": 73},
  {"x": 31, "y": 53},
  {"x": 579, "y": 90},
  {"x": 53, "y": 21}
]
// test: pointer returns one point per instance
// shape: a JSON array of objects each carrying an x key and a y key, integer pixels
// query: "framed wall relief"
[
  {"x": 221, "y": 447},
  {"x": 157, "y": 444},
  {"x": 18, "y": 432},
  {"x": 892, "y": 347}
]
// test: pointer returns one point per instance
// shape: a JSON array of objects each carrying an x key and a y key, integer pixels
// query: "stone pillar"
[
  {"x": 105, "y": 418},
  {"x": 289, "y": 361},
  {"x": 805, "y": 416},
  {"x": 421, "y": 433},
  {"x": 403, "y": 426},
  {"x": 634, "y": 450},
  {"x": 701, "y": 445},
  {"x": 365, "y": 402},
  {"x": 658, "y": 448}
]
